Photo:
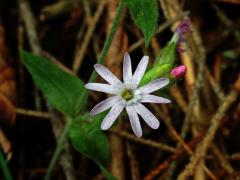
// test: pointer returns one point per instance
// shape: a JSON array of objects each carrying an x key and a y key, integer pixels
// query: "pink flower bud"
[{"x": 179, "y": 71}]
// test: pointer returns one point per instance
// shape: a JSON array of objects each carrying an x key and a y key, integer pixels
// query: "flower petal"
[
  {"x": 134, "y": 120},
  {"x": 127, "y": 70},
  {"x": 147, "y": 116},
  {"x": 104, "y": 105},
  {"x": 153, "y": 99},
  {"x": 107, "y": 75},
  {"x": 112, "y": 115},
  {"x": 154, "y": 85},
  {"x": 106, "y": 88},
  {"x": 139, "y": 72}
]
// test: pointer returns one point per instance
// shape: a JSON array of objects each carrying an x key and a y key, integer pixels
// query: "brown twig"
[
  {"x": 216, "y": 88},
  {"x": 235, "y": 156},
  {"x": 227, "y": 22},
  {"x": 222, "y": 159},
  {"x": 179, "y": 139},
  {"x": 175, "y": 92},
  {"x": 229, "y": 1},
  {"x": 160, "y": 146},
  {"x": 56, "y": 9},
  {"x": 215, "y": 123},
  {"x": 133, "y": 162},
  {"x": 160, "y": 29},
  {"x": 80, "y": 51},
  {"x": 57, "y": 62},
  {"x": 180, "y": 151},
  {"x": 30, "y": 26},
  {"x": 38, "y": 114}
]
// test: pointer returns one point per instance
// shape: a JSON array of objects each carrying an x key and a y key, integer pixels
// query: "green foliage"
[
  {"x": 106, "y": 173},
  {"x": 89, "y": 140},
  {"x": 167, "y": 55},
  {"x": 61, "y": 89},
  {"x": 156, "y": 72},
  {"x": 145, "y": 15},
  {"x": 4, "y": 167},
  {"x": 162, "y": 66}
]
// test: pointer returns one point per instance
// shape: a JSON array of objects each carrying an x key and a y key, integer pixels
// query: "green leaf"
[
  {"x": 61, "y": 89},
  {"x": 145, "y": 15},
  {"x": 89, "y": 140},
  {"x": 106, "y": 173}
]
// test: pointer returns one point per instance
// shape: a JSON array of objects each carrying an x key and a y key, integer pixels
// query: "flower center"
[{"x": 127, "y": 94}]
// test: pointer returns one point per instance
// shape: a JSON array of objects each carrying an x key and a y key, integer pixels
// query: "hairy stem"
[
  {"x": 109, "y": 39},
  {"x": 58, "y": 150},
  {"x": 4, "y": 166}
]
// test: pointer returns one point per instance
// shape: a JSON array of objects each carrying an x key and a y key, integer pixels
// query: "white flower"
[{"x": 127, "y": 94}]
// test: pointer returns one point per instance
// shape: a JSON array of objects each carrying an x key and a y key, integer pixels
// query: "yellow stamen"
[{"x": 127, "y": 95}]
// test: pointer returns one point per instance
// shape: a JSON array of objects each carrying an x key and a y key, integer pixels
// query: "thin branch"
[
  {"x": 80, "y": 52},
  {"x": 32, "y": 113},
  {"x": 215, "y": 123},
  {"x": 160, "y": 146},
  {"x": 133, "y": 162}
]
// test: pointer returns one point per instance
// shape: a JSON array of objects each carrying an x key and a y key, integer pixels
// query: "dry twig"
[
  {"x": 80, "y": 51},
  {"x": 215, "y": 123}
]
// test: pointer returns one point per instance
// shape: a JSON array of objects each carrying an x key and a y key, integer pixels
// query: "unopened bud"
[
  {"x": 179, "y": 71},
  {"x": 180, "y": 34}
]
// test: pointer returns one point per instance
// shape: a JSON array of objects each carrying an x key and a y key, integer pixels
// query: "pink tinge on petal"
[{"x": 179, "y": 71}]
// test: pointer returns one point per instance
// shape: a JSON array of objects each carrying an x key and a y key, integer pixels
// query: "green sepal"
[
  {"x": 167, "y": 55},
  {"x": 163, "y": 64},
  {"x": 156, "y": 72}
]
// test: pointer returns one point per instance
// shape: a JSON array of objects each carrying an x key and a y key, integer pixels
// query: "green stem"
[
  {"x": 59, "y": 148},
  {"x": 4, "y": 166},
  {"x": 109, "y": 39},
  {"x": 93, "y": 76}
]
